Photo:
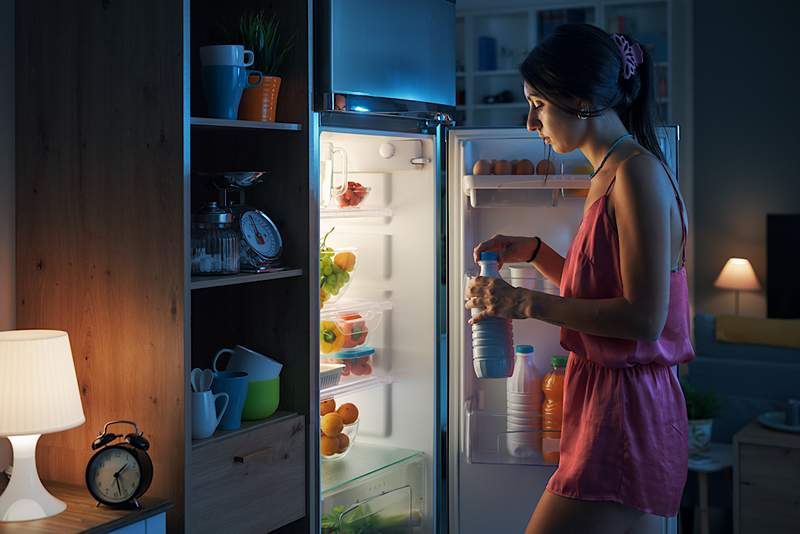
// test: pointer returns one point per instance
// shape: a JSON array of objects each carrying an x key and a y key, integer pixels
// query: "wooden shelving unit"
[
  {"x": 247, "y": 426},
  {"x": 105, "y": 193}
]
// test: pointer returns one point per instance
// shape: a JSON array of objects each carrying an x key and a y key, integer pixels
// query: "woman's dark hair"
[{"x": 581, "y": 61}]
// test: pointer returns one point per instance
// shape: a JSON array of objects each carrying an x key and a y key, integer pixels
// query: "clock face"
[
  {"x": 114, "y": 475},
  {"x": 260, "y": 234}
]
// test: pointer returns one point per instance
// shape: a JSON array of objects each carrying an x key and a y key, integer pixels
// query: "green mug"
[{"x": 262, "y": 399}]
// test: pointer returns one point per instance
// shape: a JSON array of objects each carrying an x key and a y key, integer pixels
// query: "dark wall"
[{"x": 747, "y": 155}]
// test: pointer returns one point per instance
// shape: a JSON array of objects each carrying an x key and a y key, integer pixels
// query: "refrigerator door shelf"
[
  {"x": 494, "y": 438},
  {"x": 521, "y": 190},
  {"x": 355, "y": 213}
]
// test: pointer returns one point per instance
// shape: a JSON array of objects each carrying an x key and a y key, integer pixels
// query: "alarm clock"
[
  {"x": 261, "y": 244},
  {"x": 118, "y": 474}
]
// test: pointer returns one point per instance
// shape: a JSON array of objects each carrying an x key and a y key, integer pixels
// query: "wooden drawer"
[
  {"x": 769, "y": 493},
  {"x": 252, "y": 481}
]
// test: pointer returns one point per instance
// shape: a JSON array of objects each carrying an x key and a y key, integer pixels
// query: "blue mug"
[
  {"x": 235, "y": 384},
  {"x": 223, "y": 86}
]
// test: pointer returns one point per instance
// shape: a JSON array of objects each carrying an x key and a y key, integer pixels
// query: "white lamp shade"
[
  {"x": 38, "y": 387},
  {"x": 737, "y": 274}
]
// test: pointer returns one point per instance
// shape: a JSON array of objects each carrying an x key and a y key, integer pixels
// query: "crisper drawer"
[
  {"x": 251, "y": 481},
  {"x": 387, "y": 500}
]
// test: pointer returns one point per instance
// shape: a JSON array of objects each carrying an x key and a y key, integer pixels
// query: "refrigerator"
[{"x": 430, "y": 452}]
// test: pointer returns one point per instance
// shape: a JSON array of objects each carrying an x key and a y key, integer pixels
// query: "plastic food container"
[
  {"x": 336, "y": 269},
  {"x": 523, "y": 275},
  {"x": 357, "y": 362},
  {"x": 348, "y": 325},
  {"x": 330, "y": 374},
  {"x": 351, "y": 431}
]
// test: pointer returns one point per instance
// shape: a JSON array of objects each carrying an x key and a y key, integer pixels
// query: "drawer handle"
[{"x": 251, "y": 456}]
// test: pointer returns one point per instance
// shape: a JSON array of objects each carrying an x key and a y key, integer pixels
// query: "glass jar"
[{"x": 215, "y": 241}]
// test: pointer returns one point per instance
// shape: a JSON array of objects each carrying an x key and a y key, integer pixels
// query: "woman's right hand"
[{"x": 509, "y": 249}]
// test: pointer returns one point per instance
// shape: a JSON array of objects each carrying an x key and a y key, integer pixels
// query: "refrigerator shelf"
[
  {"x": 363, "y": 460},
  {"x": 525, "y": 181},
  {"x": 353, "y": 385},
  {"x": 355, "y": 213},
  {"x": 487, "y": 440}
]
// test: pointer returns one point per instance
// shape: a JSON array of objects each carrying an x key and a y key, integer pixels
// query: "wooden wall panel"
[{"x": 99, "y": 223}]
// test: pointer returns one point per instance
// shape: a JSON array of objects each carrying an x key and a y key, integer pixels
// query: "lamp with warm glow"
[
  {"x": 738, "y": 275},
  {"x": 38, "y": 394}
]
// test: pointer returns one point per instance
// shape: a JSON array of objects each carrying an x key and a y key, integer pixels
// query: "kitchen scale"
[{"x": 260, "y": 243}]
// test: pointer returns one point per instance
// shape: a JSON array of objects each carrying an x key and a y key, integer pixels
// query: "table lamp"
[
  {"x": 738, "y": 275},
  {"x": 38, "y": 394}
]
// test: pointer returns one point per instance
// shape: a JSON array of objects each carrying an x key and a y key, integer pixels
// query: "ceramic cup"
[
  {"x": 262, "y": 399},
  {"x": 205, "y": 415},
  {"x": 234, "y": 55},
  {"x": 235, "y": 384},
  {"x": 223, "y": 86},
  {"x": 256, "y": 365}
]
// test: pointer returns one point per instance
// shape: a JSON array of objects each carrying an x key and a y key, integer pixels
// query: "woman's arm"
[
  {"x": 642, "y": 209},
  {"x": 550, "y": 263}
]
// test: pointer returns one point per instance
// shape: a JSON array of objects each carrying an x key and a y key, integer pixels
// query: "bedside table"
[
  {"x": 766, "y": 471},
  {"x": 84, "y": 516},
  {"x": 718, "y": 457}
]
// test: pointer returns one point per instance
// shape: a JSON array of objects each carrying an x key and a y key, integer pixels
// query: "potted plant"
[
  {"x": 262, "y": 36},
  {"x": 701, "y": 408}
]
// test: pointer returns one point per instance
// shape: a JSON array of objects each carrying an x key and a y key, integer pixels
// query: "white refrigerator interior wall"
[{"x": 6, "y": 180}]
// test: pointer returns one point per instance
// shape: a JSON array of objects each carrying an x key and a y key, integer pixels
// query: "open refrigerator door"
[{"x": 492, "y": 191}]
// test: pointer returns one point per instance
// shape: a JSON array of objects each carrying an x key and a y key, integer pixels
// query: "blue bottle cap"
[
  {"x": 489, "y": 256},
  {"x": 525, "y": 349}
]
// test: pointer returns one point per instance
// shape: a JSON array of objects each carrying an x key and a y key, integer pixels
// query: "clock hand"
[
  {"x": 119, "y": 488},
  {"x": 123, "y": 468}
]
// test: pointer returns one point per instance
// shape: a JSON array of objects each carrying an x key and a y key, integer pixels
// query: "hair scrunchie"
[{"x": 632, "y": 55}]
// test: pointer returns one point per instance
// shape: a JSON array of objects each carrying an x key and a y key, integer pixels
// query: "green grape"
[
  {"x": 335, "y": 291},
  {"x": 346, "y": 277},
  {"x": 326, "y": 270}
]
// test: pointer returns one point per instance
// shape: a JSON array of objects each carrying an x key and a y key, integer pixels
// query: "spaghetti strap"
[
  {"x": 677, "y": 198},
  {"x": 680, "y": 212}
]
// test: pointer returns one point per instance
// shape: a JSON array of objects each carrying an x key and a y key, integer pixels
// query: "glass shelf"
[
  {"x": 353, "y": 385},
  {"x": 363, "y": 460},
  {"x": 487, "y": 440},
  {"x": 354, "y": 213},
  {"x": 207, "y": 122},
  {"x": 202, "y": 282}
]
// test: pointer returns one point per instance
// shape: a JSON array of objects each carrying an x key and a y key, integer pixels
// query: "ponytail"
[{"x": 637, "y": 109}]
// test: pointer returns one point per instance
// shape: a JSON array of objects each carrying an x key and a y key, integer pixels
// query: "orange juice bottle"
[{"x": 552, "y": 406}]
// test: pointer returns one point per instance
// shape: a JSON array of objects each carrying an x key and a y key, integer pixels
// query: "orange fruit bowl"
[{"x": 337, "y": 447}]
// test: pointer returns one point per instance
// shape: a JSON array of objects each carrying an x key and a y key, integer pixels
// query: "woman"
[{"x": 623, "y": 308}]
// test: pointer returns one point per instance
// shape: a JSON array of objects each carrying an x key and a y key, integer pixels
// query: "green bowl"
[{"x": 262, "y": 399}]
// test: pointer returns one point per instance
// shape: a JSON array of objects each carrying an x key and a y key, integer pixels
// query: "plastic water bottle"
[
  {"x": 492, "y": 338},
  {"x": 524, "y": 402}
]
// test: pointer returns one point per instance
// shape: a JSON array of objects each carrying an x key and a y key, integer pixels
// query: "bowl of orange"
[{"x": 338, "y": 429}]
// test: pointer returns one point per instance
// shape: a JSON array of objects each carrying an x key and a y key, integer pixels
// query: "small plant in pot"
[
  {"x": 262, "y": 36},
  {"x": 701, "y": 408}
]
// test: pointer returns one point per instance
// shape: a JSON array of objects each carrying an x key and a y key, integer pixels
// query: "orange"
[
  {"x": 326, "y": 407},
  {"x": 349, "y": 413},
  {"x": 344, "y": 442},
  {"x": 332, "y": 424},
  {"x": 328, "y": 446}
]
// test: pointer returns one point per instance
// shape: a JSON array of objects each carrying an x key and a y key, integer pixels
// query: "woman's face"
[{"x": 558, "y": 128}]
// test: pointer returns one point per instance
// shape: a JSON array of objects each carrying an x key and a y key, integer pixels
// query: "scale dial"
[{"x": 260, "y": 237}]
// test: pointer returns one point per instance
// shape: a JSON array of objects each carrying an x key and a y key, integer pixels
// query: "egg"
[
  {"x": 482, "y": 166},
  {"x": 502, "y": 166},
  {"x": 522, "y": 166},
  {"x": 545, "y": 167}
]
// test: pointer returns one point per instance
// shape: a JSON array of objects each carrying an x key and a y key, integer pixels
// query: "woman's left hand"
[{"x": 495, "y": 298}]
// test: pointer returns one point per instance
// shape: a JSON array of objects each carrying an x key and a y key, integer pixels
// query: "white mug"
[
  {"x": 205, "y": 418},
  {"x": 234, "y": 55}
]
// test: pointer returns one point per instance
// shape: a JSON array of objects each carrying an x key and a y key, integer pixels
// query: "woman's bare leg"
[{"x": 559, "y": 515}]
